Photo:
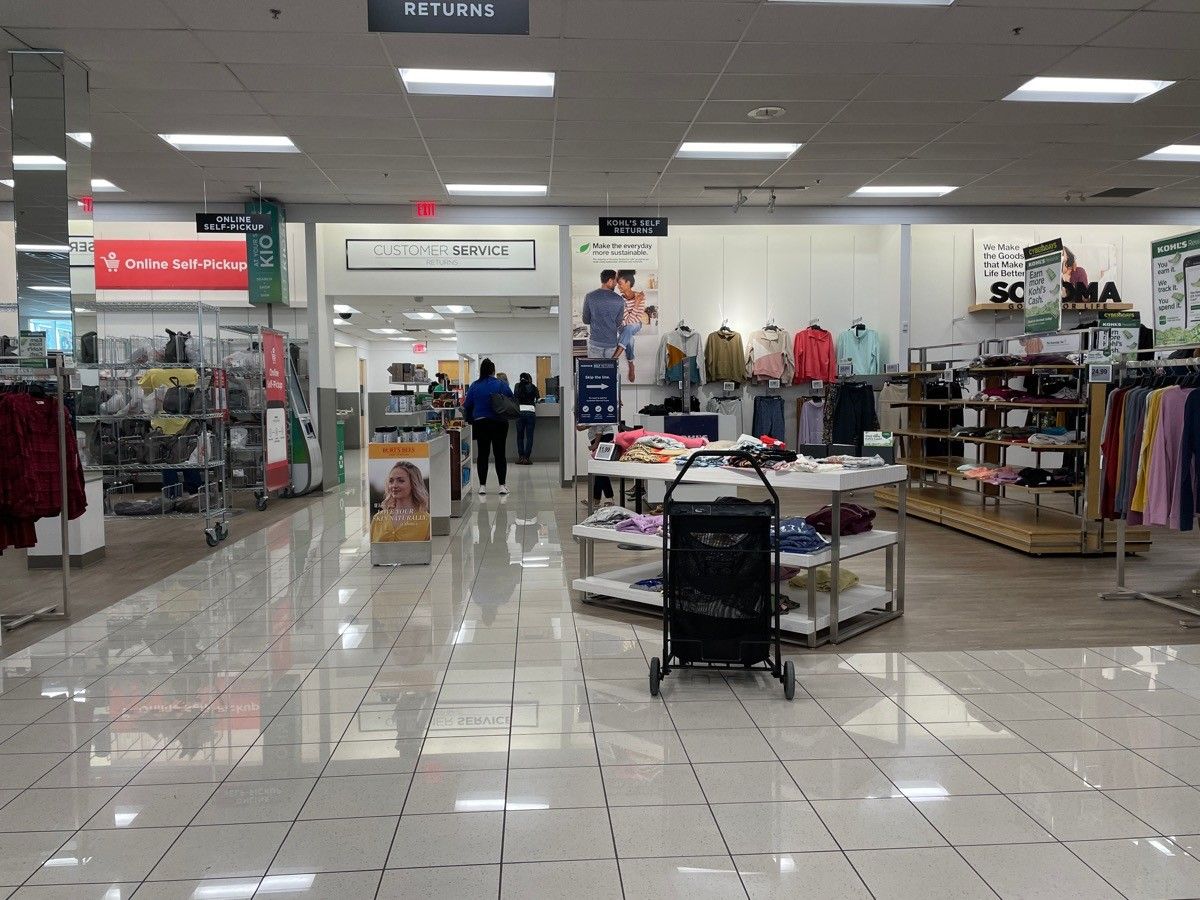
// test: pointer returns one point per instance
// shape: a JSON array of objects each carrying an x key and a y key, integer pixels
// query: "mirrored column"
[{"x": 52, "y": 174}]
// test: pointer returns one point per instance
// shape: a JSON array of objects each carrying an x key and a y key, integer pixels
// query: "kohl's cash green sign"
[
  {"x": 266, "y": 255},
  {"x": 1175, "y": 287},
  {"x": 1043, "y": 287}
]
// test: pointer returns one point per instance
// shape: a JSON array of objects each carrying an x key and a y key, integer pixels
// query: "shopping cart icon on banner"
[{"x": 111, "y": 262}]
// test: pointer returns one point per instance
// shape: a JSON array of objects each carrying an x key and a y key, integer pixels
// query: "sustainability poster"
[
  {"x": 1175, "y": 288},
  {"x": 615, "y": 303},
  {"x": 1043, "y": 287}
]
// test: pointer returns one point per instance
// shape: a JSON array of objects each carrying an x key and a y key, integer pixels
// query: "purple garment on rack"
[
  {"x": 812, "y": 419},
  {"x": 641, "y": 525}
]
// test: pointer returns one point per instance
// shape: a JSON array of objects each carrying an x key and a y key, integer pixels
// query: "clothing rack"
[
  {"x": 1169, "y": 600},
  {"x": 53, "y": 368}
]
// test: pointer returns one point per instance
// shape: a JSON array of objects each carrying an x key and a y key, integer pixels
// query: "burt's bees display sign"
[
  {"x": 437, "y": 253},
  {"x": 398, "y": 480}
]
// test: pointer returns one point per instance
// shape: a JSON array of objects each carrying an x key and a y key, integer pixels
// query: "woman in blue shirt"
[{"x": 491, "y": 429}]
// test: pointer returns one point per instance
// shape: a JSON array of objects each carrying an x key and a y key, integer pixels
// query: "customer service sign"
[{"x": 437, "y": 253}]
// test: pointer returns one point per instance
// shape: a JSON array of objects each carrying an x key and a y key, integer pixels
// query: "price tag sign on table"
[{"x": 597, "y": 392}]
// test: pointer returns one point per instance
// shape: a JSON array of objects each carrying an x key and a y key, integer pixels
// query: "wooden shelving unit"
[{"x": 1037, "y": 520}]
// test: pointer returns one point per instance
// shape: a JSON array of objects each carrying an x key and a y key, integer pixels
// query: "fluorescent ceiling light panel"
[
  {"x": 915, "y": 190},
  {"x": 734, "y": 150},
  {"x": 497, "y": 190},
  {"x": 456, "y": 310},
  {"x": 55, "y": 288},
  {"x": 1175, "y": 153},
  {"x": 104, "y": 186},
  {"x": 873, "y": 2},
  {"x": 384, "y": 330},
  {"x": 554, "y": 310},
  {"x": 28, "y": 162},
  {"x": 231, "y": 143},
  {"x": 402, "y": 339},
  {"x": 343, "y": 308},
  {"x": 79, "y": 310},
  {"x": 8, "y": 182},
  {"x": 424, "y": 316},
  {"x": 43, "y": 248},
  {"x": 58, "y": 312},
  {"x": 81, "y": 137},
  {"x": 441, "y": 331},
  {"x": 478, "y": 82},
  {"x": 1087, "y": 90}
]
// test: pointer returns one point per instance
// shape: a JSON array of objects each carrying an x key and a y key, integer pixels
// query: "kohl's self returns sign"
[{"x": 448, "y": 17}]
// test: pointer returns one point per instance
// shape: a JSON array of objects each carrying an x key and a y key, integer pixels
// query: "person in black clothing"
[{"x": 527, "y": 395}]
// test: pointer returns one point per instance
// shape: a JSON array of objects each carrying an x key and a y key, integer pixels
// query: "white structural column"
[
  {"x": 905, "y": 329},
  {"x": 322, "y": 380},
  {"x": 566, "y": 359}
]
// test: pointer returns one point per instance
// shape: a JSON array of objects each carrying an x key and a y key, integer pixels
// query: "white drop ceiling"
[
  {"x": 879, "y": 95},
  {"x": 388, "y": 312}
]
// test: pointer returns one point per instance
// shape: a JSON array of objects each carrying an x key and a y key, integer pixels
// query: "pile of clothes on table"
[
  {"x": 620, "y": 519},
  {"x": 640, "y": 445},
  {"x": 773, "y": 456}
]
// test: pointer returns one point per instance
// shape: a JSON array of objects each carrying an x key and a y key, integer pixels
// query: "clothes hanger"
[{"x": 814, "y": 324}]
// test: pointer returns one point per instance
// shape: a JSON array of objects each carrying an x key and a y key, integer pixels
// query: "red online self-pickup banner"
[{"x": 162, "y": 265}]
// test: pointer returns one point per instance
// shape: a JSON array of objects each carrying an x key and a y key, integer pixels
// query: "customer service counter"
[{"x": 547, "y": 435}]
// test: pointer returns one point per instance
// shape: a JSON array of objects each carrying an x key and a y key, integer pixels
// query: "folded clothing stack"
[
  {"x": 797, "y": 535},
  {"x": 1001, "y": 475},
  {"x": 856, "y": 462},
  {"x": 1033, "y": 477},
  {"x": 807, "y": 465},
  {"x": 967, "y": 431},
  {"x": 626, "y": 439},
  {"x": 608, "y": 517},
  {"x": 641, "y": 525},
  {"x": 1009, "y": 433},
  {"x": 1049, "y": 437},
  {"x": 855, "y": 519},
  {"x": 846, "y": 579}
]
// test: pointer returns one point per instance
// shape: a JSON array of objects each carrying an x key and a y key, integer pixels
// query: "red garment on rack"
[
  {"x": 812, "y": 351},
  {"x": 1109, "y": 450},
  {"x": 30, "y": 481}
]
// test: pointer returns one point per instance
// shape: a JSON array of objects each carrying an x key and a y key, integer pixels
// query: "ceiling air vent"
[{"x": 1122, "y": 192}]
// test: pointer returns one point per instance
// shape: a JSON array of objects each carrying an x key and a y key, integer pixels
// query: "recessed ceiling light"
[
  {"x": 454, "y": 310},
  {"x": 765, "y": 113},
  {"x": 734, "y": 150},
  {"x": 874, "y": 2},
  {"x": 343, "y": 308},
  {"x": 342, "y": 345},
  {"x": 232, "y": 143},
  {"x": 914, "y": 190},
  {"x": 478, "y": 82},
  {"x": 86, "y": 312},
  {"x": 424, "y": 316},
  {"x": 340, "y": 323},
  {"x": 402, "y": 339},
  {"x": 1087, "y": 90},
  {"x": 8, "y": 182},
  {"x": 1175, "y": 153},
  {"x": 81, "y": 137},
  {"x": 441, "y": 331},
  {"x": 54, "y": 288},
  {"x": 497, "y": 190},
  {"x": 554, "y": 310},
  {"x": 58, "y": 312},
  {"x": 104, "y": 186},
  {"x": 32, "y": 162},
  {"x": 384, "y": 330},
  {"x": 43, "y": 248}
]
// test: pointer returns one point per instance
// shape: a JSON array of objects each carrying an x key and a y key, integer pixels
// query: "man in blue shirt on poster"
[{"x": 603, "y": 311}]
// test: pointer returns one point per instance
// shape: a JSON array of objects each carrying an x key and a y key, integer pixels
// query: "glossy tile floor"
[{"x": 283, "y": 720}]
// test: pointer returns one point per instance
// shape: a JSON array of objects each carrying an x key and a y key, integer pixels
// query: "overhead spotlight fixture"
[
  {"x": 740, "y": 202},
  {"x": 771, "y": 202},
  {"x": 1087, "y": 90}
]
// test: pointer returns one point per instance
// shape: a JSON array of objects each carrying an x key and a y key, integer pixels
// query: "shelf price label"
[
  {"x": 773, "y": 383},
  {"x": 729, "y": 386},
  {"x": 1100, "y": 373},
  {"x": 891, "y": 368},
  {"x": 845, "y": 369},
  {"x": 818, "y": 385}
]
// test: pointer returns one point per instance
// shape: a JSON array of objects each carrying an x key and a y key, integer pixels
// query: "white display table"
[{"x": 820, "y": 620}]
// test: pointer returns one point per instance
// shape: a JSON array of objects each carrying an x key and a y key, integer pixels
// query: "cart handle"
[{"x": 687, "y": 464}]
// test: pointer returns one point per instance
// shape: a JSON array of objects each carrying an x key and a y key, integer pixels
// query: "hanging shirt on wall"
[
  {"x": 859, "y": 345},
  {"x": 813, "y": 353},
  {"x": 767, "y": 355},
  {"x": 678, "y": 351},
  {"x": 724, "y": 357}
]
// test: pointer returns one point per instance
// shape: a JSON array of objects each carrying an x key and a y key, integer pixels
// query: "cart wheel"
[
  {"x": 222, "y": 531},
  {"x": 210, "y": 537},
  {"x": 260, "y": 503},
  {"x": 286, "y": 493},
  {"x": 655, "y": 676},
  {"x": 789, "y": 679}
]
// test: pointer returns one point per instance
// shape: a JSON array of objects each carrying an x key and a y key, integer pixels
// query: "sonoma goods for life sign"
[
  {"x": 1000, "y": 268},
  {"x": 182, "y": 265},
  {"x": 420, "y": 253}
]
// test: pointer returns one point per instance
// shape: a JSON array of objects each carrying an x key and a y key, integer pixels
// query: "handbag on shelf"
[
  {"x": 178, "y": 400},
  {"x": 87, "y": 348},
  {"x": 176, "y": 350}
]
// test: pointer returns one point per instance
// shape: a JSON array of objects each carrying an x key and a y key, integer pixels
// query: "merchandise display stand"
[
  {"x": 1171, "y": 600},
  {"x": 20, "y": 371},
  {"x": 124, "y": 452},
  {"x": 432, "y": 459},
  {"x": 462, "y": 471},
  {"x": 1013, "y": 515},
  {"x": 820, "y": 619},
  {"x": 246, "y": 468}
]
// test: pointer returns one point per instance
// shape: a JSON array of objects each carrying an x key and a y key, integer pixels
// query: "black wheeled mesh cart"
[{"x": 721, "y": 601}]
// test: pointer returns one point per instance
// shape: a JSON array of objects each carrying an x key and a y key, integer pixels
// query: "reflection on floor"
[{"x": 280, "y": 719}]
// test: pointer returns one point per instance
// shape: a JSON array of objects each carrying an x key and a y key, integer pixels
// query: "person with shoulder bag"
[
  {"x": 488, "y": 407},
  {"x": 527, "y": 396}
]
